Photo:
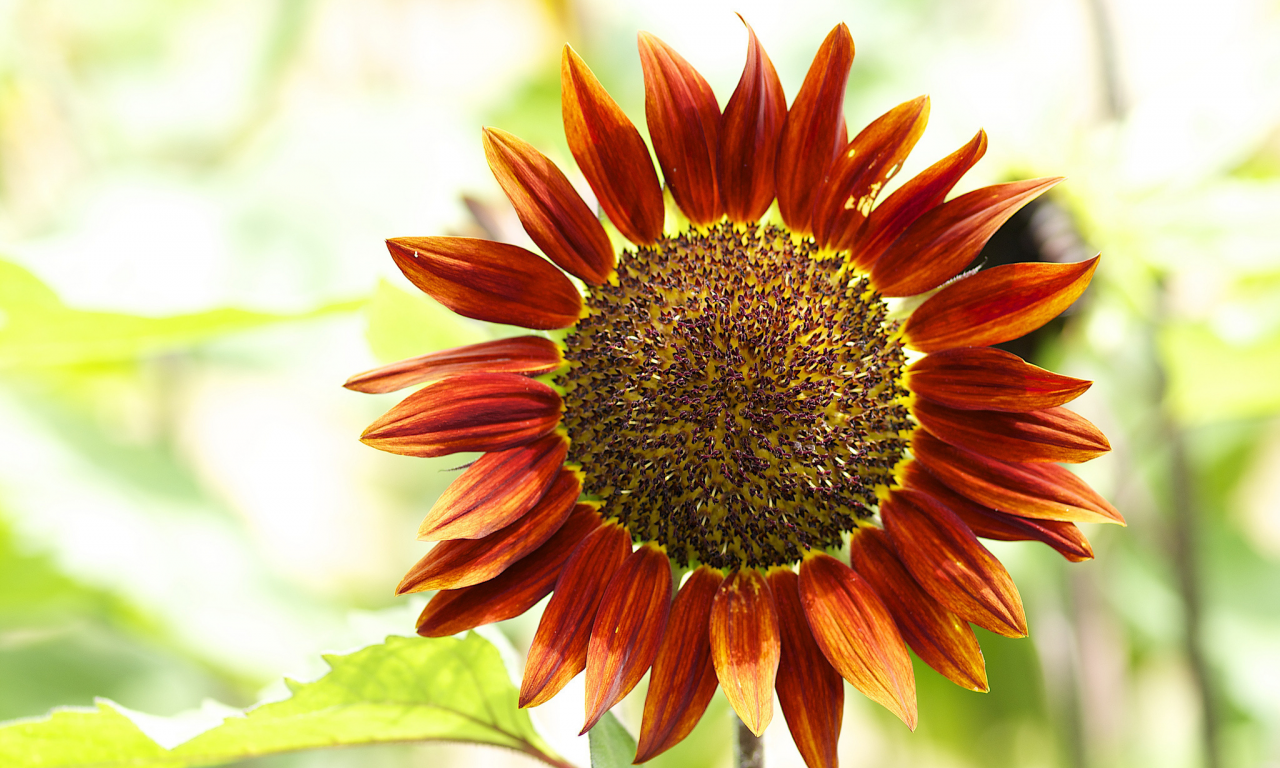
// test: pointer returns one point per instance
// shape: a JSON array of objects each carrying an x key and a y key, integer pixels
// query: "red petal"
[
  {"x": 990, "y": 524},
  {"x": 627, "y": 629},
  {"x": 683, "y": 679},
  {"x": 996, "y": 305},
  {"x": 857, "y": 634},
  {"x": 1042, "y": 491},
  {"x": 495, "y": 491},
  {"x": 811, "y": 134},
  {"x": 463, "y": 562},
  {"x": 517, "y": 590},
  {"x": 610, "y": 153},
  {"x": 528, "y": 355},
  {"x": 951, "y": 564},
  {"x": 862, "y": 169},
  {"x": 489, "y": 281},
  {"x": 946, "y": 239},
  {"x": 549, "y": 207},
  {"x": 1051, "y": 434},
  {"x": 746, "y": 646},
  {"x": 467, "y": 412},
  {"x": 684, "y": 125},
  {"x": 984, "y": 378},
  {"x": 937, "y": 635},
  {"x": 809, "y": 690},
  {"x": 892, "y": 217},
  {"x": 749, "y": 133},
  {"x": 559, "y": 649}
]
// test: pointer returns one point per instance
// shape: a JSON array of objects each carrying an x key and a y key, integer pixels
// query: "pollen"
[{"x": 735, "y": 398}]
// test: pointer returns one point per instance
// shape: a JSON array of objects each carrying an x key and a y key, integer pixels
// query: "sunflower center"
[{"x": 734, "y": 398}]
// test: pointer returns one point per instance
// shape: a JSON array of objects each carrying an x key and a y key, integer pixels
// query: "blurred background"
[{"x": 193, "y": 198}]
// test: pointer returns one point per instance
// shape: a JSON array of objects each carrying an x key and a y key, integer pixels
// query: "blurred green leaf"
[
  {"x": 37, "y": 330},
  {"x": 1211, "y": 379},
  {"x": 611, "y": 745},
  {"x": 404, "y": 324},
  {"x": 407, "y": 689}
]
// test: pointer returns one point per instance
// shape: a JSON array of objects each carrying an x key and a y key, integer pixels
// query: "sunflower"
[{"x": 745, "y": 392}]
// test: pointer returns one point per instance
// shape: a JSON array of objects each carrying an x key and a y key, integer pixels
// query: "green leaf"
[
  {"x": 1211, "y": 379},
  {"x": 611, "y": 745},
  {"x": 37, "y": 330},
  {"x": 407, "y": 689},
  {"x": 404, "y": 324}
]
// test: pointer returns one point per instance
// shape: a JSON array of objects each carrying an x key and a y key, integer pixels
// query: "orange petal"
[
  {"x": 922, "y": 192},
  {"x": 811, "y": 134},
  {"x": 937, "y": 635},
  {"x": 985, "y": 378},
  {"x": 809, "y": 689},
  {"x": 1037, "y": 490},
  {"x": 746, "y": 646},
  {"x": 517, "y": 590},
  {"x": 951, "y": 564},
  {"x": 684, "y": 125},
  {"x": 1051, "y": 434},
  {"x": 987, "y": 523},
  {"x": 946, "y": 239},
  {"x": 462, "y": 562},
  {"x": 749, "y": 133},
  {"x": 549, "y": 207},
  {"x": 683, "y": 679},
  {"x": 559, "y": 649},
  {"x": 862, "y": 169},
  {"x": 996, "y": 305},
  {"x": 857, "y": 634},
  {"x": 627, "y": 630},
  {"x": 467, "y": 412},
  {"x": 528, "y": 355},
  {"x": 489, "y": 281},
  {"x": 610, "y": 153},
  {"x": 495, "y": 491}
]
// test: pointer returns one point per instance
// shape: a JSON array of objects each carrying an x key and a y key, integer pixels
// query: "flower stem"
[{"x": 750, "y": 748}]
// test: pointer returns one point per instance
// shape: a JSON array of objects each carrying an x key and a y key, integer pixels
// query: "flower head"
[{"x": 734, "y": 400}]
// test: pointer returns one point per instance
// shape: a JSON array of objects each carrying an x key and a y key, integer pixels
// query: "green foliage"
[
  {"x": 403, "y": 324},
  {"x": 406, "y": 689},
  {"x": 611, "y": 745}
]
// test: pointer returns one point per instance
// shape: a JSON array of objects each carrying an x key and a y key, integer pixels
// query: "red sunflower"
[{"x": 733, "y": 400}]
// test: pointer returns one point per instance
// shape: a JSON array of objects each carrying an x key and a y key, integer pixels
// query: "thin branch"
[{"x": 750, "y": 748}]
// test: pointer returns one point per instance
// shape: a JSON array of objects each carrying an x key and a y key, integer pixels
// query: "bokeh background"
[{"x": 193, "y": 198}]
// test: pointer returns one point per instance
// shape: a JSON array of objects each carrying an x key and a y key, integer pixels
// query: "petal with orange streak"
[
  {"x": 951, "y": 564},
  {"x": 809, "y": 689},
  {"x": 552, "y": 212},
  {"x": 996, "y": 305},
  {"x": 627, "y": 630},
  {"x": 985, "y": 378},
  {"x": 811, "y": 135},
  {"x": 684, "y": 126},
  {"x": 947, "y": 238},
  {"x": 1050, "y": 434},
  {"x": 987, "y": 523},
  {"x": 484, "y": 280},
  {"x": 683, "y": 679},
  {"x": 1028, "y": 489},
  {"x": 857, "y": 635},
  {"x": 922, "y": 192},
  {"x": 941, "y": 638},
  {"x": 467, "y": 412},
  {"x": 515, "y": 591},
  {"x": 495, "y": 491},
  {"x": 559, "y": 649},
  {"x": 862, "y": 169},
  {"x": 749, "y": 133},
  {"x": 527, "y": 355},
  {"x": 746, "y": 646},
  {"x": 464, "y": 562},
  {"x": 610, "y": 153}
]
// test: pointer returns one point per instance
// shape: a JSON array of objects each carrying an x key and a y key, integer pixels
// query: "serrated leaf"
[
  {"x": 404, "y": 690},
  {"x": 38, "y": 331},
  {"x": 611, "y": 744}
]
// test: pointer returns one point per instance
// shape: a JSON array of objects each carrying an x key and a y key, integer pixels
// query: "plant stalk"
[{"x": 750, "y": 748}]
